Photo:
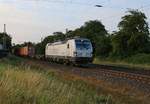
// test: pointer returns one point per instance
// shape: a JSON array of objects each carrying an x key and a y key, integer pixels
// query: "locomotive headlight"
[{"x": 75, "y": 53}]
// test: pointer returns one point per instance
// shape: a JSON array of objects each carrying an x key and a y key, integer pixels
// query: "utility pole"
[
  {"x": 4, "y": 37},
  {"x": 66, "y": 30},
  {"x": 66, "y": 35},
  {"x": 4, "y": 28},
  {"x": 41, "y": 39}
]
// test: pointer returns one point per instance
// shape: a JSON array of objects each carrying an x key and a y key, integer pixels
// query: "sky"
[{"x": 31, "y": 20}]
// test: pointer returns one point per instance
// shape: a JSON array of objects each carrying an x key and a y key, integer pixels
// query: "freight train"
[{"x": 75, "y": 51}]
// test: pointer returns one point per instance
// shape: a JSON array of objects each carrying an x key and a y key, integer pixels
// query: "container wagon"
[{"x": 26, "y": 51}]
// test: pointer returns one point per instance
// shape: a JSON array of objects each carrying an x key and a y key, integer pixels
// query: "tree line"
[{"x": 132, "y": 37}]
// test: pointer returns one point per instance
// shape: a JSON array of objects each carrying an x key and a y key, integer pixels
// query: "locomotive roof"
[{"x": 63, "y": 42}]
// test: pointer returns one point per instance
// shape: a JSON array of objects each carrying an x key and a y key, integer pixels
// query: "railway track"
[
  {"x": 122, "y": 69},
  {"x": 134, "y": 78},
  {"x": 124, "y": 76},
  {"x": 144, "y": 79},
  {"x": 139, "y": 75}
]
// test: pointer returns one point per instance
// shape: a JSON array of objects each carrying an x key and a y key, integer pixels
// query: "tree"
[
  {"x": 119, "y": 44},
  {"x": 57, "y": 36},
  {"x": 96, "y": 32},
  {"x": 103, "y": 46},
  {"x": 93, "y": 30},
  {"x": 133, "y": 34}
]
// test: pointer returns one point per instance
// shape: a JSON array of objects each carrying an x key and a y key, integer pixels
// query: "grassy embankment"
[
  {"x": 141, "y": 61},
  {"x": 22, "y": 84}
]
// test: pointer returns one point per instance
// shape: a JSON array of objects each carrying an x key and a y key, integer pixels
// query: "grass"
[
  {"x": 140, "y": 61},
  {"x": 21, "y": 84}
]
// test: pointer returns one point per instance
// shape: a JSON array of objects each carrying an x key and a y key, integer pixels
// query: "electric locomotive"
[{"x": 76, "y": 51}]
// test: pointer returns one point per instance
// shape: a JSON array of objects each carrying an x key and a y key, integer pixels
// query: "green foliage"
[
  {"x": 57, "y": 36},
  {"x": 103, "y": 46},
  {"x": 133, "y": 35},
  {"x": 24, "y": 44},
  {"x": 119, "y": 43},
  {"x": 96, "y": 32},
  {"x": 93, "y": 30},
  {"x": 138, "y": 59},
  {"x": 39, "y": 47}
]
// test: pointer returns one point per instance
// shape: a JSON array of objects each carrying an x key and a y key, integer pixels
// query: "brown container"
[
  {"x": 27, "y": 51},
  {"x": 24, "y": 51}
]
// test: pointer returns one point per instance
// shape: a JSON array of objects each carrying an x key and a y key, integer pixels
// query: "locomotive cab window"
[
  {"x": 83, "y": 44},
  {"x": 67, "y": 45}
]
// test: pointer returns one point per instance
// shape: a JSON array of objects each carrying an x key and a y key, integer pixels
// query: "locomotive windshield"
[{"x": 83, "y": 44}]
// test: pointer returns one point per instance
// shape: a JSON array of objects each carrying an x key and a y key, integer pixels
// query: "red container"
[
  {"x": 27, "y": 51},
  {"x": 24, "y": 51}
]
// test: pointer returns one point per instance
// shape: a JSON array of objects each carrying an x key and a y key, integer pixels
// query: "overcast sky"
[{"x": 29, "y": 20}]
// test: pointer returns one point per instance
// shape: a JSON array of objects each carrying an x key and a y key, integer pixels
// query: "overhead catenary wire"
[
  {"x": 100, "y": 4},
  {"x": 70, "y": 2},
  {"x": 92, "y": 4},
  {"x": 97, "y": 4}
]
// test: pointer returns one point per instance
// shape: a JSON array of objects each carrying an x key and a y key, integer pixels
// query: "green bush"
[{"x": 139, "y": 59}]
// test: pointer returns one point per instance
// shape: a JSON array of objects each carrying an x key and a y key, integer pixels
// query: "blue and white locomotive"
[{"x": 76, "y": 51}]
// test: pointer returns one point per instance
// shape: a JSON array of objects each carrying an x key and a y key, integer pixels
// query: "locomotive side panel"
[
  {"x": 59, "y": 51},
  {"x": 56, "y": 50}
]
